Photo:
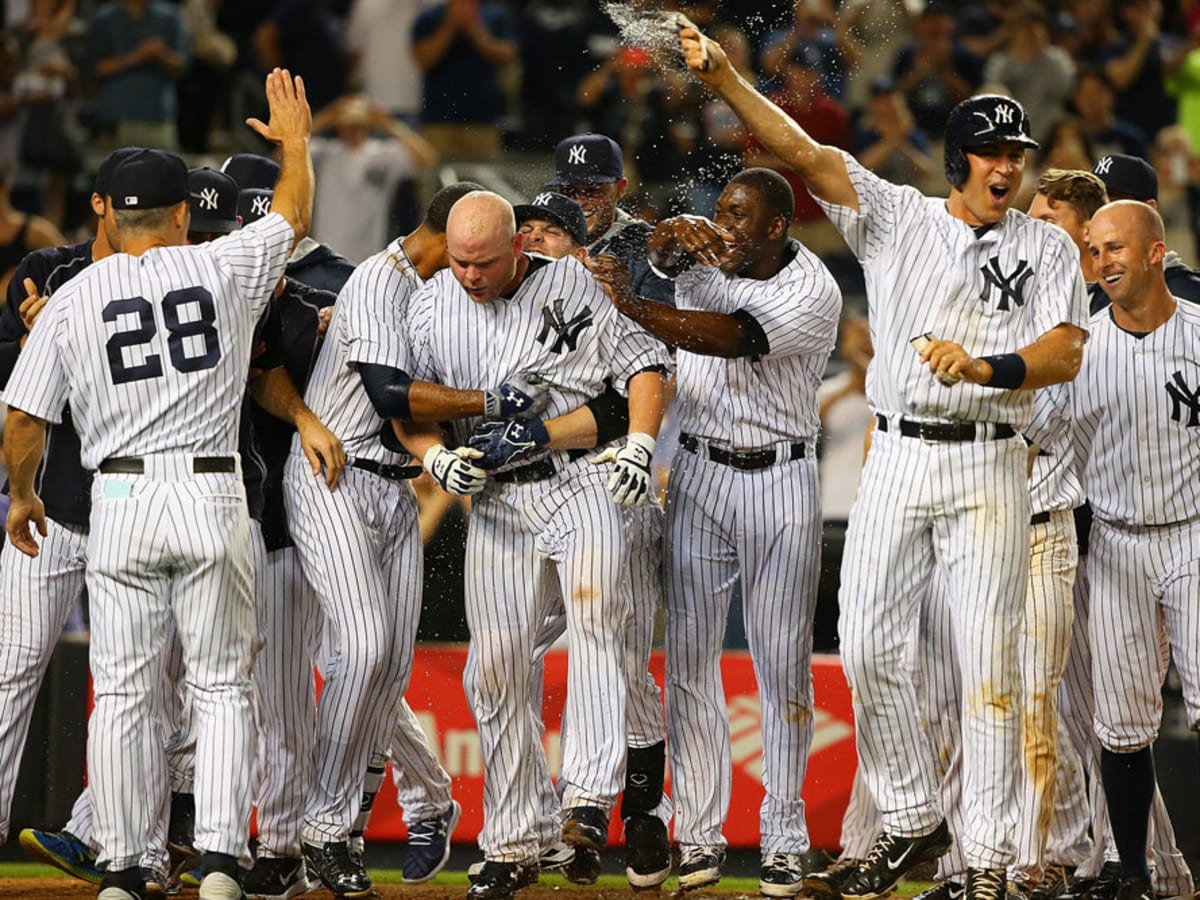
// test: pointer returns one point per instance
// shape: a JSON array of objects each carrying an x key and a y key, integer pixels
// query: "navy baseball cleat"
[
  {"x": 62, "y": 850},
  {"x": 891, "y": 859},
  {"x": 429, "y": 845}
]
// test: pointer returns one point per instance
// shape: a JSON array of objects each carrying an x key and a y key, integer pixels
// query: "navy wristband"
[{"x": 1008, "y": 371}]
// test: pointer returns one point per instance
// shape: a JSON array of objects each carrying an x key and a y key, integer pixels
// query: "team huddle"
[{"x": 222, "y": 448}]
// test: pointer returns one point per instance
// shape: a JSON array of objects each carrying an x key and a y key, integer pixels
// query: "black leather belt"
[
  {"x": 947, "y": 431},
  {"x": 747, "y": 460},
  {"x": 391, "y": 473},
  {"x": 136, "y": 465},
  {"x": 1040, "y": 518},
  {"x": 535, "y": 471}
]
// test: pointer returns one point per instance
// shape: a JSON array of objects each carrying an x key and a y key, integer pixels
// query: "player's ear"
[
  {"x": 98, "y": 205},
  {"x": 518, "y": 242},
  {"x": 778, "y": 228},
  {"x": 622, "y": 185}
]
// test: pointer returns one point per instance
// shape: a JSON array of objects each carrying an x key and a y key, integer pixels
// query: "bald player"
[
  {"x": 1137, "y": 434},
  {"x": 995, "y": 303},
  {"x": 560, "y": 522},
  {"x": 157, "y": 419}
]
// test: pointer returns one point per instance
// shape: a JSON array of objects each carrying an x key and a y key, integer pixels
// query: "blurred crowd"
[{"x": 476, "y": 78}]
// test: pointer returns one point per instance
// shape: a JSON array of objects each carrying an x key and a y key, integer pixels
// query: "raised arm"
[
  {"x": 822, "y": 167},
  {"x": 290, "y": 127}
]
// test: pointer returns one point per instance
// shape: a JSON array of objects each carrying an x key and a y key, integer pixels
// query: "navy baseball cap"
[
  {"x": 1127, "y": 177},
  {"x": 556, "y": 208},
  {"x": 108, "y": 164},
  {"x": 254, "y": 203},
  {"x": 250, "y": 170},
  {"x": 149, "y": 179},
  {"x": 213, "y": 201},
  {"x": 588, "y": 159}
]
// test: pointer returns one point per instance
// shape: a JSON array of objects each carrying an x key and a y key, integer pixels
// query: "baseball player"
[
  {"x": 1137, "y": 434},
  {"x": 556, "y": 226},
  {"x": 499, "y": 311},
  {"x": 756, "y": 320},
  {"x": 162, "y": 457},
  {"x": 1132, "y": 178},
  {"x": 358, "y": 547},
  {"x": 999, "y": 309}
]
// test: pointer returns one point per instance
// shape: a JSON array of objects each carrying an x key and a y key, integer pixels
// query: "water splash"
[{"x": 641, "y": 26}]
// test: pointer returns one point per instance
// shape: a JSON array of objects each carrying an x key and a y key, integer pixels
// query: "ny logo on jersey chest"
[
  {"x": 1010, "y": 286},
  {"x": 566, "y": 331},
  {"x": 1184, "y": 397}
]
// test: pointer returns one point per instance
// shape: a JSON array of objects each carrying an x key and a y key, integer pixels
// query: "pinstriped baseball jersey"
[
  {"x": 927, "y": 271},
  {"x": 559, "y": 323},
  {"x": 1054, "y": 483},
  {"x": 158, "y": 369},
  {"x": 1136, "y": 404},
  {"x": 751, "y": 401},
  {"x": 367, "y": 327}
]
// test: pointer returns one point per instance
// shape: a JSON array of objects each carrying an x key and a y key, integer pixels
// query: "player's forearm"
[
  {"x": 697, "y": 331},
  {"x": 24, "y": 443},
  {"x": 496, "y": 51},
  {"x": 294, "y": 190},
  {"x": 647, "y": 402},
  {"x": 430, "y": 402},
  {"x": 575, "y": 430},
  {"x": 274, "y": 391},
  {"x": 1053, "y": 358},
  {"x": 418, "y": 437}
]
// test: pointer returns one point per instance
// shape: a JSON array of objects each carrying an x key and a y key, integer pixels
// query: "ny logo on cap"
[
  {"x": 1104, "y": 165},
  {"x": 578, "y": 155},
  {"x": 208, "y": 199},
  {"x": 260, "y": 206},
  {"x": 542, "y": 199}
]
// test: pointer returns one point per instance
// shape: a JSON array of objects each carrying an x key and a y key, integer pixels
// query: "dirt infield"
[{"x": 66, "y": 889}]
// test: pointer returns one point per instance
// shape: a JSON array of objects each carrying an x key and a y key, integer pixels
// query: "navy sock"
[{"x": 1129, "y": 786}]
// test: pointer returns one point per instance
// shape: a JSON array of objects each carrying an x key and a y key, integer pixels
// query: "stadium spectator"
[
  {"x": 887, "y": 140},
  {"x": 461, "y": 45},
  {"x": 815, "y": 24},
  {"x": 1036, "y": 73},
  {"x": 308, "y": 38},
  {"x": 1094, "y": 103},
  {"x": 983, "y": 26},
  {"x": 380, "y": 34},
  {"x": 357, "y": 174},
  {"x": 1094, "y": 29},
  {"x": 140, "y": 48},
  {"x": 1136, "y": 63},
  {"x": 20, "y": 233},
  {"x": 935, "y": 71},
  {"x": 204, "y": 87}
]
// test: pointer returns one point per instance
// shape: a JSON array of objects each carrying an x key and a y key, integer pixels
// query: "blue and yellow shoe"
[{"x": 62, "y": 850}]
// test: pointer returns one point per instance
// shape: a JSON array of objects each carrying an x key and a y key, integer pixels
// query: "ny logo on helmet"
[
  {"x": 1010, "y": 286},
  {"x": 1002, "y": 114},
  {"x": 578, "y": 155},
  {"x": 1183, "y": 396},
  {"x": 566, "y": 331},
  {"x": 208, "y": 199}
]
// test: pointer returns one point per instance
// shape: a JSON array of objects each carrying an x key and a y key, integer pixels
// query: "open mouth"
[
  {"x": 1113, "y": 279},
  {"x": 998, "y": 192}
]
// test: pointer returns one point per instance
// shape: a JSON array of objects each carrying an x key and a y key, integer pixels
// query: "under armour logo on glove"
[
  {"x": 208, "y": 199},
  {"x": 455, "y": 470},
  {"x": 629, "y": 482},
  {"x": 506, "y": 443},
  {"x": 521, "y": 397}
]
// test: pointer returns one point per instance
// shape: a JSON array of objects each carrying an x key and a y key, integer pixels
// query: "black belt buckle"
[
  {"x": 386, "y": 470},
  {"x": 743, "y": 460}
]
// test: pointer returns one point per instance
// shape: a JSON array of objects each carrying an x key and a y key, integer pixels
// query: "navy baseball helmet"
[{"x": 981, "y": 121}]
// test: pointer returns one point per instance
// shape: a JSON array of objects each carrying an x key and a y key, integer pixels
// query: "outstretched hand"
[
  {"x": 704, "y": 56},
  {"x": 291, "y": 118}
]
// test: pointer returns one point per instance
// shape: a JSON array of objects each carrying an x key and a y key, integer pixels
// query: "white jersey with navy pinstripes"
[
  {"x": 752, "y": 402},
  {"x": 559, "y": 324},
  {"x": 148, "y": 366},
  {"x": 1054, "y": 482},
  {"x": 929, "y": 272},
  {"x": 1137, "y": 420},
  {"x": 367, "y": 327}
]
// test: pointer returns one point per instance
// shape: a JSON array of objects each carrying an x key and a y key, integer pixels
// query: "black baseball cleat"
[
  {"x": 781, "y": 875},
  {"x": 1056, "y": 881},
  {"x": 647, "y": 851},
  {"x": 500, "y": 880},
  {"x": 584, "y": 867},
  {"x": 943, "y": 890},
  {"x": 1135, "y": 887},
  {"x": 828, "y": 883},
  {"x": 891, "y": 859},
  {"x": 337, "y": 869},
  {"x": 276, "y": 878},
  {"x": 1102, "y": 887},
  {"x": 700, "y": 866},
  {"x": 986, "y": 884},
  {"x": 587, "y": 827}
]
